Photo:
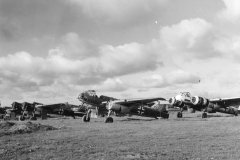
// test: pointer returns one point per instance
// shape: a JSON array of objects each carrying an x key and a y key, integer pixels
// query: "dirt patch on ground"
[{"x": 7, "y": 128}]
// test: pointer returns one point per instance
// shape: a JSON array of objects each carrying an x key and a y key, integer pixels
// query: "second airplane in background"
[
  {"x": 223, "y": 105},
  {"x": 139, "y": 107}
]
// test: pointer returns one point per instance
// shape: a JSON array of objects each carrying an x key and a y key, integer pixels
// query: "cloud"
[
  {"x": 75, "y": 47},
  {"x": 182, "y": 77},
  {"x": 154, "y": 81},
  {"x": 191, "y": 37},
  {"x": 112, "y": 85},
  {"x": 229, "y": 46},
  {"x": 177, "y": 77},
  {"x": 77, "y": 62},
  {"x": 128, "y": 58},
  {"x": 231, "y": 13}
]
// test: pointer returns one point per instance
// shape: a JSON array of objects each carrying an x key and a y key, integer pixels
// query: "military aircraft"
[
  {"x": 23, "y": 111},
  {"x": 64, "y": 109},
  {"x": 223, "y": 105},
  {"x": 127, "y": 106}
]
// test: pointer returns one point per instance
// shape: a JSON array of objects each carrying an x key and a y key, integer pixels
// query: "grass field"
[{"x": 134, "y": 137}]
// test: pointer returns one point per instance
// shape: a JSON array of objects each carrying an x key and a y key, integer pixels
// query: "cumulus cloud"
[
  {"x": 77, "y": 62},
  {"x": 191, "y": 36},
  {"x": 154, "y": 81},
  {"x": 181, "y": 77},
  {"x": 128, "y": 58},
  {"x": 177, "y": 77},
  {"x": 231, "y": 13},
  {"x": 112, "y": 85}
]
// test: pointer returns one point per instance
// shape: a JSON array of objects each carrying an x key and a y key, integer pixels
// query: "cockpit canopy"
[
  {"x": 91, "y": 92},
  {"x": 186, "y": 94}
]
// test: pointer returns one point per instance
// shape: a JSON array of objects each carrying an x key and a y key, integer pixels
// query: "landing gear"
[
  {"x": 204, "y": 115},
  {"x": 21, "y": 118},
  {"x": 109, "y": 119},
  {"x": 179, "y": 115},
  {"x": 86, "y": 118}
]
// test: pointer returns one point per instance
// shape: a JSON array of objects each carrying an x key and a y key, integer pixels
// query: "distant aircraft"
[
  {"x": 23, "y": 111},
  {"x": 223, "y": 105},
  {"x": 64, "y": 109},
  {"x": 127, "y": 106}
]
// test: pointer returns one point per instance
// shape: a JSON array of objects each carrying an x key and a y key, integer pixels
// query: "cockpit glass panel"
[
  {"x": 91, "y": 92},
  {"x": 186, "y": 94}
]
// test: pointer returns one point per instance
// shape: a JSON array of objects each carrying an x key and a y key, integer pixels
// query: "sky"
[{"x": 52, "y": 50}]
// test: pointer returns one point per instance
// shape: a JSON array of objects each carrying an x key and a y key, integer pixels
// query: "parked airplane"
[
  {"x": 64, "y": 109},
  {"x": 223, "y": 105},
  {"x": 23, "y": 111},
  {"x": 127, "y": 106}
]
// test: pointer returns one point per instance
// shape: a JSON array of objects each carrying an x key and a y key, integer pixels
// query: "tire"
[
  {"x": 179, "y": 115},
  {"x": 109, "y": 120},
  {"x": 204, "y": 115},
  {"x": 21, "y": 118},
  {"x": 85, "y": 118}
]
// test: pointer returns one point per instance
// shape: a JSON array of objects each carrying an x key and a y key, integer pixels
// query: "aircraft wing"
[
  {"x": 227, "y": 101},
  {"x": 127, "y": 102},
  {"x": 57, "y": 106}
]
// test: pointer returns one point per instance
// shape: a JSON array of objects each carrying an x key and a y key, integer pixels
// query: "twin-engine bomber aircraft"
[
  {"x": 223, "y": 105},
  {"x": 127, "y": 106}
]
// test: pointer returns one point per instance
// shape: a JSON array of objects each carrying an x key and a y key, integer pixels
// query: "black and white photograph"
[{"x": 119, "y": 79}]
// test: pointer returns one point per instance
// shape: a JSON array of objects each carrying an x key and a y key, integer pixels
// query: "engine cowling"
[
  {"x": 174, "y": 102},
  {"x": 117, "y": 107},
  {"x": 201, "y": 101}
]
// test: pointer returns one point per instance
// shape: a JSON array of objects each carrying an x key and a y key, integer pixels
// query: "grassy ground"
[{"x": 134, "y": 137}]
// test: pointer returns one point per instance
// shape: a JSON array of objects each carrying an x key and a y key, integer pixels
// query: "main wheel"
[
  {"x": 179, "y": 115},
  {"x": 109, "y": 120},
  {"x": 204, "y": 115},
  {"x": 21, "y": 118},
  {"x": 86, "y": 118}
]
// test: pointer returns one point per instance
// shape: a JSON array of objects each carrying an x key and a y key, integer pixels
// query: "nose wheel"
[{"x": 86, "y": 118}]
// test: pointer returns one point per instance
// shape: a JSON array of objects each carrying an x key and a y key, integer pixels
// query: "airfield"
[{"x": 191, "y": 137}]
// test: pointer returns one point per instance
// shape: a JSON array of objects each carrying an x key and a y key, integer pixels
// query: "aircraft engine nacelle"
[
  {"x": 229, "y": 110},
  {"x": 118, "y": 108},
  {"x": 200, "y": 101},
  {"x": 174, "y": 102}
]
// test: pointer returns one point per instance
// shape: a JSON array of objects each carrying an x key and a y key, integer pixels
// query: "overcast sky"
[{"x": 52, "y": 50}]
